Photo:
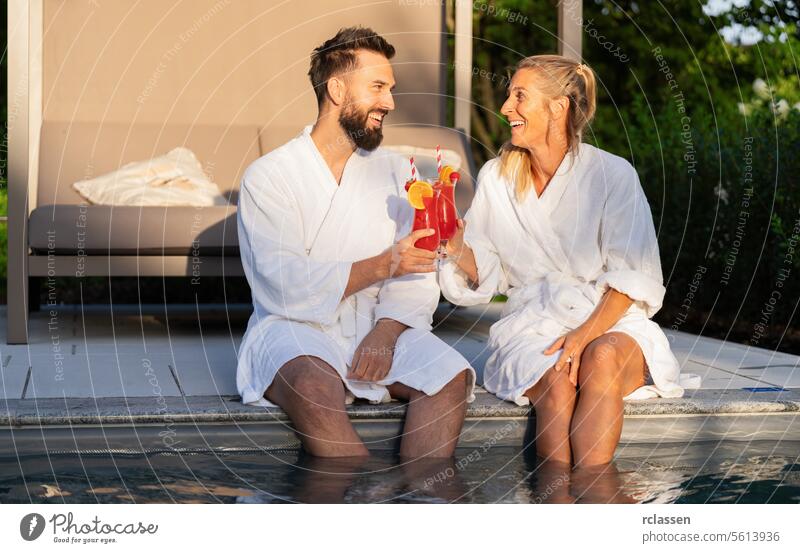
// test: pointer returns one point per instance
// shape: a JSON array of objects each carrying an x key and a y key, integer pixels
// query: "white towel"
[{"x": 176, "y": 178}]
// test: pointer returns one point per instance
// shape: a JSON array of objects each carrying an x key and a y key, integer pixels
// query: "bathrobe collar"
[
  {"x": 534, "y": 212},
  {"x": 330, "y": 180}
]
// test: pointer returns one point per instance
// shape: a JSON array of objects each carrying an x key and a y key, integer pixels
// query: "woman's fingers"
[
  {"x": 555, "y": 346},
  {"x": 573, "y": 368},
  {"x": 562, "y": 360}
]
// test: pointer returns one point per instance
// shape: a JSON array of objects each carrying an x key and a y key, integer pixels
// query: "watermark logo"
[{"x": 31, "y": 526}]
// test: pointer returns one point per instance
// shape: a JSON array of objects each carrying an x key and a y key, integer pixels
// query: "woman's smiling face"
[{"x": 530, "y": 113}]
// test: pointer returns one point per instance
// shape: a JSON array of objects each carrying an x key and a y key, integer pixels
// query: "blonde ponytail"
[{"x": 561, "y": 76}]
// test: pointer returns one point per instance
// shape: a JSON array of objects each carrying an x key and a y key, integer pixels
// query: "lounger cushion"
[
  {"x": 131, "y": 230},
  {"x": 74, "y": 151},
  {"x": 70, "y": 152}
]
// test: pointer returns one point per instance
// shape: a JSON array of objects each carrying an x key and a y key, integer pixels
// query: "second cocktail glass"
[{"x": 446, "y": 209}]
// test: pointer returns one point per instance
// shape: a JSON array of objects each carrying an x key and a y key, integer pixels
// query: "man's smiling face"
[{"x": 368, "y": 99}]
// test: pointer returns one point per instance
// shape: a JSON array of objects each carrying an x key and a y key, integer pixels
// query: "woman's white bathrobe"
[
  {"x": 555, "y": 256},
  {"x": 299, "y": 234}
]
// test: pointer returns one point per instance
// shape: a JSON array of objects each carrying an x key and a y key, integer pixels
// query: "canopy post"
[
  {"x": 462, "y": 64},
  {"x": 570, "y": 28}
]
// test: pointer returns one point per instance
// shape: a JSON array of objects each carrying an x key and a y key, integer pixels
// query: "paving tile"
[
  {"x": 784, "y": 376},
  {"x": 717, "y": 379},
  {"x": 101, "y": 375},
  {"x": 14, "y": 373},
  {"x": 208, "y": 372}
]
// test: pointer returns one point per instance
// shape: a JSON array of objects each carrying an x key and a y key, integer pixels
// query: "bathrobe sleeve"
[
  {"x": 283, "y": 279},
  {"x": 410, "y": 299},
  {"x": 628, "y": 243},
  {"x": 491, "y": 273}
]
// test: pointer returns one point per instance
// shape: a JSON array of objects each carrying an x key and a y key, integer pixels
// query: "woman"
[{"x": 564, "y": 229}]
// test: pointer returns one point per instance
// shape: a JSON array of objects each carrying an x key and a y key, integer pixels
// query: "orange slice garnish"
[
  {"x": 444, "y": 174},
  {"x": 417, "y": 191}
]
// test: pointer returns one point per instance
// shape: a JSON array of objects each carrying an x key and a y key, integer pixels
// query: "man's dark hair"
[{"x": 338, "y": 55}]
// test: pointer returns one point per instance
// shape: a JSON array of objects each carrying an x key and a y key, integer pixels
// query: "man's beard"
[{"x": 356, "y": 125}]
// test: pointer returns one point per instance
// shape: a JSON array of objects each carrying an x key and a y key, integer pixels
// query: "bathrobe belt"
[{"x": 356, "y": 314}]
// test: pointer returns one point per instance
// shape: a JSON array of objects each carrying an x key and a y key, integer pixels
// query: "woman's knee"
[
  {"x": 553, "y": 390},
  {"x": 600, "y": 368}
]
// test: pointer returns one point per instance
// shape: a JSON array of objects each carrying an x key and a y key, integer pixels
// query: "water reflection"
[{"x": 753, "y": 472}]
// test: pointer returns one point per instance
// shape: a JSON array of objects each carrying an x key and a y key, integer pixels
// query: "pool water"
[{"x": 716, "y": 472}]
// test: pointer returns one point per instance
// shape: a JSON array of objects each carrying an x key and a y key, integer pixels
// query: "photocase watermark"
[
  {"x": 67, "y": 530},
  {"x": 65, "y": 524},
  {"x": 489, "y": 8},
  {"x": 382, "y": 350},
  {"x": 760, "y": 328},
  {"x": 195, "y": 229},
  {"x": 177, "y": 46},
  {"x": 688, "y": 299},
  {"x": 744, "y": 213},
  {"x": 473, "y": 456},
  {"x": 689, "y": 155},
  {"x": 31, "y": 526},
  {"x": 168, "y": 434},
  {"x": 550, "y": 489},
  {"x": 53, "y": 322},
  {"x": 590, "y": 30},
  {"x": 482, "y": 73}
]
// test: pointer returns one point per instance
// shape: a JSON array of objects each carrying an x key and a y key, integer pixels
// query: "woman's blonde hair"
[{"x": 559, "y": 76}]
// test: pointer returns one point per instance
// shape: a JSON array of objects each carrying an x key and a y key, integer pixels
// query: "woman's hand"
[
  {"x": 613, "y": 305},
  {"x": 407, "y": 258},
  {"x": 459, "y": 252},
  {"x": 573, "y": 343},
  {"x": 455, "y": 246}
]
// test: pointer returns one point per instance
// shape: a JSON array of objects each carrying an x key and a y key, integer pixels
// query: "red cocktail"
[
  {"x": 428, "y": 218},
  {"x": 446, "y": 210}
]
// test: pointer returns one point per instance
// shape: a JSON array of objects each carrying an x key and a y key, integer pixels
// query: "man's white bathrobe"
[
  {"x": 555, "y": 256},
  {"x": 299, "y": 234}
]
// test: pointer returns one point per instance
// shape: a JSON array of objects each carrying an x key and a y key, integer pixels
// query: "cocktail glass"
[{"x": 428, "y": 218}]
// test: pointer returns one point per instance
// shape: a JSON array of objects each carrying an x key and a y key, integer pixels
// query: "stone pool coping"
[
  {"x": 192, "y": 409},
  {"x": 197, "y": 423}
]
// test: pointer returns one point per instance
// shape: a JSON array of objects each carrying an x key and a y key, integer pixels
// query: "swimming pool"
[{"x": 707, "y": 472}]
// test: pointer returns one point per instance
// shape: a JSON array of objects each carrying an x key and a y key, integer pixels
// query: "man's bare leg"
[
  {"x": 433, "y": 423},
  {"x": 326, "y": 480},
  {"x": 612, "y": 366},
  {"x": 313, "y": 395}
]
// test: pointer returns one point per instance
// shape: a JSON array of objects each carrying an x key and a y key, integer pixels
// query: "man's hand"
[
  {"x": 373, "y": 357},
  {"x": 407, "y": 258},
  {"x": 400, "y": 259}
]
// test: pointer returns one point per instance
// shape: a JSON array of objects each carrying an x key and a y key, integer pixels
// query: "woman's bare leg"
[
  {"x": 612, "y": 366},
  {"x": 553, "y": 399}
]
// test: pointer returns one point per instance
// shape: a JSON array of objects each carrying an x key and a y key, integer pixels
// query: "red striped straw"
[
  {"x": 413, "y": 169},
  {"x": 438, "y": 158}
]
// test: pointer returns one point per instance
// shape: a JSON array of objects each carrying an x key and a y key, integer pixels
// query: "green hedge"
[{"x": 728, "y": 218}]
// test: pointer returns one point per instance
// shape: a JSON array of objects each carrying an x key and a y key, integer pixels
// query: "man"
[{"x": 341, "y": 309}]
